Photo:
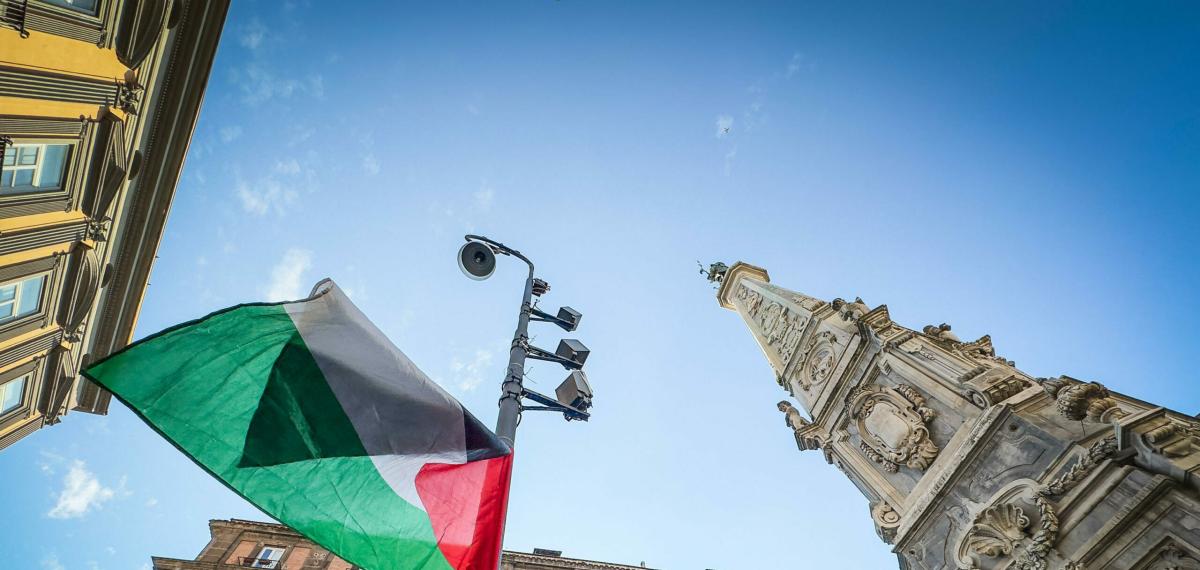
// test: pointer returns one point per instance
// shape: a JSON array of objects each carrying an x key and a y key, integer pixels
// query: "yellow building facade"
[{"x": 98, "y": 101}]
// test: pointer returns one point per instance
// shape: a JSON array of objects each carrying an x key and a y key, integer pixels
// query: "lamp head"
[{"x": 477, "y": 260}]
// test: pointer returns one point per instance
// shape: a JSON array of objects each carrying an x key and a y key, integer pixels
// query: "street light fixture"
[{"x": 477, "y": 259}]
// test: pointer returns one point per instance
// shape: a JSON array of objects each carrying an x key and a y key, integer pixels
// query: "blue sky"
[{"x": 1019, "y": 169}]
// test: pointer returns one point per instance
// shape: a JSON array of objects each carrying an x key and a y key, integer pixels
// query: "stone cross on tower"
[{"x": 967, "y": 462}]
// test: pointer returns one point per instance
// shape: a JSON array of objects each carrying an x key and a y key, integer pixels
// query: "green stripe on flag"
[{"x": 209, "y": 384}]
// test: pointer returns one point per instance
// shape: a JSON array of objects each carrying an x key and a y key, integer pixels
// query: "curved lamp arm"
[{"x": 501, "y": 248}]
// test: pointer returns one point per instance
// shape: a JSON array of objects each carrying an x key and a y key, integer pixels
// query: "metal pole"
[{"x": 511, "y": 389}]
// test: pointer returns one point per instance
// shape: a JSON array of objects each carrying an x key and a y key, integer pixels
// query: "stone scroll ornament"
[
  {"x": 892, "y": 424},
  {"x": 886, "y": 519}
]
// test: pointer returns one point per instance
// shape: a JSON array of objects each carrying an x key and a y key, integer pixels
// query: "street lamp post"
[{"x": 477, "y": 259}]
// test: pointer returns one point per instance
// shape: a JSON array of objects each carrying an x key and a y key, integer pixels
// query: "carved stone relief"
[
  {"x": 818, "y": 360},
  {"x": 892, "y": 426},
  {"x": 1019, "y": 531},
  {"x": 1077, "y": 401},
  {"x": 1173, "y": 440},
  {"x": 997, "y": 391},
  {"x": 780, "y": 327},
  {"x": 997, "y": 530},
  {"x": 887, "y": 520},
  {"x": 850, "y": 311},
  {"x": 1170, "y": 556}
]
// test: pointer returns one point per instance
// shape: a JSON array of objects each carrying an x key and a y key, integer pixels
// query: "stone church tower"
[{"x": 967, "y": 462}]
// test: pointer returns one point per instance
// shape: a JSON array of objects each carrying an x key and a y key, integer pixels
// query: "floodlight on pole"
[{"x": 477, "y": 260}]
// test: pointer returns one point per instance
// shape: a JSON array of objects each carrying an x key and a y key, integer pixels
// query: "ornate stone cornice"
[
  {"x": 274, "y": 528},
  {"x": 566, "y": 563}
]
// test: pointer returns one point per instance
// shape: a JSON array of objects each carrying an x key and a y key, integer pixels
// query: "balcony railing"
[
  {"x": 12, "y": 14},
  {"x": 251, "y": 562}
]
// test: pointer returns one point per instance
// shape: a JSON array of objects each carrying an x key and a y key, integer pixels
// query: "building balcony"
[{"x": 251, "y": 562}]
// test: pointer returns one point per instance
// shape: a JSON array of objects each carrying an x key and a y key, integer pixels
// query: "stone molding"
[{"x": 732, "y": 279}]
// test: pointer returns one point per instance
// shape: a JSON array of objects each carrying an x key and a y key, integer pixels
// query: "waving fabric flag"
[{"x": 309, "y": 412}]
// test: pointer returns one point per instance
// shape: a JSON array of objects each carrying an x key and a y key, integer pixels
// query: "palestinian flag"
[{"x": 310, "y": 413}]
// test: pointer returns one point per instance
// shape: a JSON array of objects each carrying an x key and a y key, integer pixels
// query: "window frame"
[
  {"x": 97, "y": 28},
  {"x": 93, "y": 13},
  {"x": 26, "y": 379},
  {"x": 37, "y": 167},
  {"x": 52, "y": 268},
  {"x": 16, "y": 300},
  {"x": 31, "y": 371},
  {"x": 67, "y": 194},
  {"x": 258, "y": 558}
]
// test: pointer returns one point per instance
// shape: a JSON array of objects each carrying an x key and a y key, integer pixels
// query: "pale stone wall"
[{"x": 966, "y": 461}]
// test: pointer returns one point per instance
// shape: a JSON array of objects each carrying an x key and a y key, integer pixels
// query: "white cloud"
[
  {"x": 50, "y": 562},
  {"x": 470, "y": 373},
  {"x": 794, "y": 65},
  {"x": 49, "y": 460},
  {"x": 110, "y": 550},
  {"x": 300, "y": 135},
  {"x": 729, "y": 156},
  {"x": 230, "y": 133},
  {"x": 797, "y": 64},
  {"x": 289, "y": 166},
  {"x": 260, "y": 84},
  {"x": 264, "y": 195},
  {"x": 286, "y": 277},
  {"x": 370, "y": 164},
  {"x": 151, "y": 503},
  {"x": 253, "y": 34},
  {"x": 316, "y": 85},
  {"x": 724, "y": 125},
  {"x": 484, "y": 197},
  {"x": 81, "y": 492}
]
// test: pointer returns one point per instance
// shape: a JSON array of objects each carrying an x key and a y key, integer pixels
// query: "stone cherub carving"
[
  {"x": 850, "y": 311},
  {"x": 941, "y": 332},
  {"x": 795, "y": 420},
  {"x": 792, "y": 415}
]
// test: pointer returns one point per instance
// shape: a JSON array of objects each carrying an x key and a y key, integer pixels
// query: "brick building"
[{"x": 247, "y": 544}]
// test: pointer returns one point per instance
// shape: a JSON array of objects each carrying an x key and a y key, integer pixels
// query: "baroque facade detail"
[
  {"x": 967, "y": 462},
  {"x": 892, "y": 425}
]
